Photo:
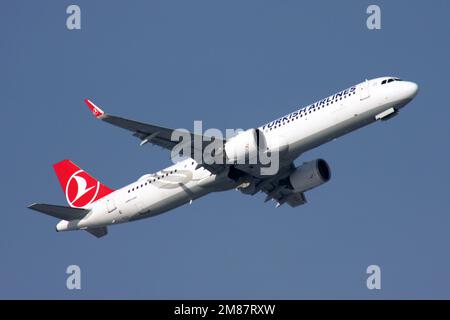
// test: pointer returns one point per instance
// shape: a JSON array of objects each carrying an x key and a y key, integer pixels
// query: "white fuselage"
[{"x": 301, "y": 130}]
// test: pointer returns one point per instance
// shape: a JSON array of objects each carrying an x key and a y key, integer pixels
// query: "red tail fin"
[{"x": 79, "y": 187}]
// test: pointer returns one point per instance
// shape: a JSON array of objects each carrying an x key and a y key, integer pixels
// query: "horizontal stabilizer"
[
  {"x": 60, "y": 212},
  {"x": 98, "y": 232}
]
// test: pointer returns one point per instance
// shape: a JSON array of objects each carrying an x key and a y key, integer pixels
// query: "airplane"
[{"x": 93, "y": 206}]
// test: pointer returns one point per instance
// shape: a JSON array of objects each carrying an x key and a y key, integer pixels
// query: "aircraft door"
[
  {"x": 110, "y": 204},
  {"x": 364, "y": 92}
]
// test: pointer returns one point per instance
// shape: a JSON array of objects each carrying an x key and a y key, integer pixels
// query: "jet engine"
[
  {"x": 244, "y": 147},
  {"x": 310, "y": 175}
]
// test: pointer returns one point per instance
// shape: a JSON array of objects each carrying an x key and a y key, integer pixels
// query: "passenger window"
[{"x": 390, "y": 80}]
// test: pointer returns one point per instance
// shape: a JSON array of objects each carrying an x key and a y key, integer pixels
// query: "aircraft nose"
[{"x": 410, "y": 89}]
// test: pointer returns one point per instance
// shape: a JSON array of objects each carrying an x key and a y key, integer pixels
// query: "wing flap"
[
  {"x": 60, "y": 212},
  {"x": 278, "y": 190},
  {"x": 296, "y": 199}
]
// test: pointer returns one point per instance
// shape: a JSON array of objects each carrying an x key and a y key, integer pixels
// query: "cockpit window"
[{"x": 390, "y": 80}]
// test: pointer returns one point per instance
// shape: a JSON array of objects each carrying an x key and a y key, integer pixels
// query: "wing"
[
  {"x": 278, "y": 189},
  {"x": 157, "y": 135}
]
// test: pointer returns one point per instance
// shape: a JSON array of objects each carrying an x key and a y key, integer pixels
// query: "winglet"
[{"x": 98, "y": 113}]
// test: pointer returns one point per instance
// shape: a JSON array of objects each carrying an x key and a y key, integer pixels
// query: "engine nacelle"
[
  {"x": 310, "y": 175},
  {"x": 245, "y": 146}
]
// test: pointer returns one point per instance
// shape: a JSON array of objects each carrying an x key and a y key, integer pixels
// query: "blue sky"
[{"x": 231, "y": 64}]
